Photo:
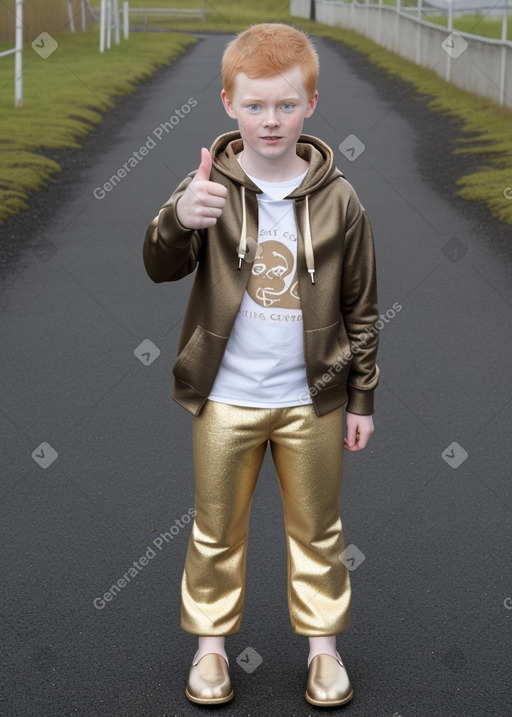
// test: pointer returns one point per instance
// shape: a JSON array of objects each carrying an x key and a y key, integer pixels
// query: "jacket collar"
[{"x": 319, "y": 156}]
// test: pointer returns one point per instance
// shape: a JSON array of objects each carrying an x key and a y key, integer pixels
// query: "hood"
[
  {"x": 319, "y": 156},
  {"x": 321, "y": 172}
]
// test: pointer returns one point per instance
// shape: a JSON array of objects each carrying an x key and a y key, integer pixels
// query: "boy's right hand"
[{"x": 203, "y": 201}]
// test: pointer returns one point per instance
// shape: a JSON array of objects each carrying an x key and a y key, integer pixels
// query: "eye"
[
  {"x": 287, "y": 106},
  {"x": 253, "y": 107}
]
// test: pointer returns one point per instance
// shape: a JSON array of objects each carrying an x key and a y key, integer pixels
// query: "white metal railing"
[
  {"x": 181, "y": 12},
  {"x": 17, "y": 51},
  {"x": 71, "y": 16},
  {"x": 477, "y": 64},
  {"x": 108, "y": 17}
]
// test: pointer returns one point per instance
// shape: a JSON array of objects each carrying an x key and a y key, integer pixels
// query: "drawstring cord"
[
  {"x": 242, "y": 247},
  {"x": 308, "y": 245},
  {"x": 310, "y": 257}
]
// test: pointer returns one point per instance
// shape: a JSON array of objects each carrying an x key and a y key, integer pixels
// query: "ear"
[
  {"x": 228, "y": 105},
  {"x": 312, "y": 105}
]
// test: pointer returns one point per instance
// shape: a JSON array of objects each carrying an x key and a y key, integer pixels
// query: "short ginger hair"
[{"x": 267, "y": 49}]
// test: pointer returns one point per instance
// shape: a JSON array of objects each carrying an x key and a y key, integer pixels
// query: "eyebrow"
[{"x": 255, "y": 100}]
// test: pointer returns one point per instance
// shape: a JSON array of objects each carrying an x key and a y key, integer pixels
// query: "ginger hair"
[{"x": 267, "y": 49}]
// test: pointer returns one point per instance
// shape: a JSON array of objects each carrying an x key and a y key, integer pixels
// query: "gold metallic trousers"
[{"x": 229, "y": 447}]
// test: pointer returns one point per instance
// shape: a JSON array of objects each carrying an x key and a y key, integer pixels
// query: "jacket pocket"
[
  {"x": 328, "y": 356},
  {"x": 198, "y": 362}
]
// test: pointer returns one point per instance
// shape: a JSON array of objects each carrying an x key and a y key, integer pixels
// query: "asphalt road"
[{"x": 97, "y": 470}]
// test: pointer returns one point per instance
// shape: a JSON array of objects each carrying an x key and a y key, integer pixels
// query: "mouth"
[{"x": 271, "y": 138}]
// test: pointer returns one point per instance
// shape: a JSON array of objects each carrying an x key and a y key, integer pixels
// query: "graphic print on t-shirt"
[
  {"x": 273, "y": 280},
  {"x": 263, "y": 363}
]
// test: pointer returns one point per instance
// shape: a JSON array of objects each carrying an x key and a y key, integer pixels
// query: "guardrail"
[
  {"x": 185, "y": 12},
  {"x": 474, "y": 63},
  {"x": 170, "y": 11},
  {"x": 108, "y": 17}
]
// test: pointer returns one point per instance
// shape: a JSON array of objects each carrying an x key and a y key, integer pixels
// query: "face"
[{"x": 270, "y": 112}]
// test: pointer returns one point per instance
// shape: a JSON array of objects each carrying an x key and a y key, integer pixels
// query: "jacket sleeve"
[
  {"x": 359, "y": 309},
  {"x": 170, "y": 250}
]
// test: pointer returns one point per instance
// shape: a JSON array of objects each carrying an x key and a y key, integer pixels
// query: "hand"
[
  {"x": 359, "y": 430},
  {"x": 202, "y": 202}
]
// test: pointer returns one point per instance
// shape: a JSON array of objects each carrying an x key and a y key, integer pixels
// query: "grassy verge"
[
  {"x": 65, "y": 96},
  {"x": 486, "y": 128}
]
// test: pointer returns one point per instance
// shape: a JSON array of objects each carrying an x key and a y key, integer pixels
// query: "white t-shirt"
[{"x": 263, "y": 365}]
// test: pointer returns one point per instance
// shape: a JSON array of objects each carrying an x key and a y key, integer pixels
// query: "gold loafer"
[
  {"x": 328, "y": 683},
  {"x": 209, "y": 682}
]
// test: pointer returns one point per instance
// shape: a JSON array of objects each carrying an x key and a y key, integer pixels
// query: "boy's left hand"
[{"x": 359, "y": 430}]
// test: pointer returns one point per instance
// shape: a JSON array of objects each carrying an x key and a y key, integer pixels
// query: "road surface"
[{"x": 97, "y": 482}]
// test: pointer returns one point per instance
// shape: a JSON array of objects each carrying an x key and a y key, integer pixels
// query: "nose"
[{"x": 271, "y": 119}]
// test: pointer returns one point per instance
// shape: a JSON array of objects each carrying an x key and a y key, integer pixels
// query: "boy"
[{"x": 278, "y": 336}]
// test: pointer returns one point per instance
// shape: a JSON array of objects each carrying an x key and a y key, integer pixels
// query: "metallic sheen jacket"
[{"x": 336, "y": 275}]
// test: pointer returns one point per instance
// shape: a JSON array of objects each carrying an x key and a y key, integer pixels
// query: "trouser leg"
[
  {"x": 308, "y": 456},
  {"x": 229, "y": 445}
]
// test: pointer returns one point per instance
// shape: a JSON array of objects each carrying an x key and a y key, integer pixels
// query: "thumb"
[{"x": 205, "y": 167}]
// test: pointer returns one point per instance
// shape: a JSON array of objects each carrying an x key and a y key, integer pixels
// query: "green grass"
[
  {"x": 474, "y": 25},
  {"x": 221, "y": 16},
  {"x": 486, "y": 132},
  {"x": 485, "y": 25},
  {"x": 65, "y": 96}
]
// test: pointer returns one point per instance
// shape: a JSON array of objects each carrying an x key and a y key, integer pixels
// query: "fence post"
[
  {"x": 503, "y": 69},
  {"x": 397, "y": 25},
  {"x": 103, "y": 11},
  {"x": 419, "y": 33},
  {"x": 84, "y": 18},
  {"x": 71, "y": 19},
  {"x": 109, "y": 23},
  {"x": 115, "y": 13},
  {"x": 126, "y": 20},
  {"x": 450, "y": 29},
  {"x": 18, "y": 57}
]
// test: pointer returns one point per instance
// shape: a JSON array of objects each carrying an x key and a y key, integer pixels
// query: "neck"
[{"x": 273, "y": 170}]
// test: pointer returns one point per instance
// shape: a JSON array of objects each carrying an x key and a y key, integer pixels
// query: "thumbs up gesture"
[{"x": 202, "y": 202}]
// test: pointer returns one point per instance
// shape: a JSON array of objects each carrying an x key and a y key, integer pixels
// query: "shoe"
[
  {"x": 209, "y": 682},
  {"x": 328, "y": 683}
]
